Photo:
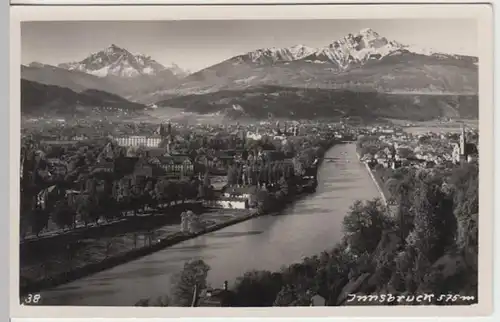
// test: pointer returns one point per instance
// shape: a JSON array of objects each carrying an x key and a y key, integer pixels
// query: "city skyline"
[{"x": 194, "y": 45}]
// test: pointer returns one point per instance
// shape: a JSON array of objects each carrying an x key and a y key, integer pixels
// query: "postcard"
[{"x": 286, "y": 160}]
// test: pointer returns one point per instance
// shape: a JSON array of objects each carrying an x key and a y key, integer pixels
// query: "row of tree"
[{"x": 110, "y": 200}]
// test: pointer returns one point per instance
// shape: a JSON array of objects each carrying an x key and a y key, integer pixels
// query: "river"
[{"x": 311, "y": 225}]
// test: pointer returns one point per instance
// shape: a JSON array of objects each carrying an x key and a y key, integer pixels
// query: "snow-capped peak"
[
  {"x": 36, "y": 64},
  {"x": 301, "y": 51},
  {"x": 367, "y": 44},
  {"x": 428, "y": 51},
  {"x": 113, "y": 48},
  {"x": 275, "y": 55},
  {"x": 177, "y": 70},
  {"x": 368, "y": 32},
  {"x": 355, "y": 49},
  {"x": 117, "y": 61}
]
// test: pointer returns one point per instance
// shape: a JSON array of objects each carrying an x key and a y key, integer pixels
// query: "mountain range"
[
  {"x": 49, "y": 100},
  {"x": 364, "y": 62}
]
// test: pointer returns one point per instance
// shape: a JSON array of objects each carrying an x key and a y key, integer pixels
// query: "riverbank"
[
  {"x": 375, "y": 181},
  {"x": 377, "y": 184}
]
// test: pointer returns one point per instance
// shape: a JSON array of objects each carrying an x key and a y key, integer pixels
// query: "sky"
[{"x": 194, "y": 45}]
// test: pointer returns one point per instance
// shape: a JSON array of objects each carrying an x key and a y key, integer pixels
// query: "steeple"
[
  {"x": 278, "y": 132},
  {"x": 161, "y": 131},
  {"x": 463, "y": 141}
]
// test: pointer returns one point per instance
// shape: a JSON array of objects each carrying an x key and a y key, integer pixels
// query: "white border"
[
  {"x": 482, "y": 13},
  {"x": 221, "y": 2}
]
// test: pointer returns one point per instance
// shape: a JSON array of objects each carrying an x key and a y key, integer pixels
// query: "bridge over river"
[{"x": 307, "y": 227}]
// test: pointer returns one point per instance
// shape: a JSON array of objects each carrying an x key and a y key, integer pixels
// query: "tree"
[
  {"x": 257, "y": 289},
  {"x": 202, "y": 192},
  {"x": 288, "y": 149},
  {"x": 161, "y": 301},
  {"x": 184, "y": 190},
  {"x": 171, "y": 191},
  {"x": 405, "y": 153},
  {"x": 378, "y": 168},
  {"x": 136, "y": 198},
  {"x": 434, "y": 223},
  {"x": 192, "y": 278},
  {"x": 206, "y": 180},
  {"x": 83, "y": 208},
  {"x": 232, "y": 175},
  {"x": 160, "y": 191},
  {"x": 262, "y": 177},
  {"x": 63, "y": 215},
  {"x": 270, "y": 173},
  {"x": 40, "y": 220},
  {"x": 284, "y": 187},
  {"x": 465, "y": 182},
  {"x": 91, "y": 186},
  {"x": 148, "y": 193},
  {"x": 364, "y": 225},
  {"x": 239, "y": 174},
  {"x": 263, "y": 200},
  {"x": 289, "y": 295},
  {"x": 277, "y": 171},
  {"x": 253, "y": 175},
  {"x": 298, "y": 167}
]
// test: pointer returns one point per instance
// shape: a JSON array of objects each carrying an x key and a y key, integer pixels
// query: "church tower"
[
  {"x": 278, "y": 131},
  {"x": 169, "y": 129},
  {"x": 463, "y": 141},
  {"x": 168, "y": 137}
]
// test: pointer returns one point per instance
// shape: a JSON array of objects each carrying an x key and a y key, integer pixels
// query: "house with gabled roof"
[{"x": 216, "y": 297}]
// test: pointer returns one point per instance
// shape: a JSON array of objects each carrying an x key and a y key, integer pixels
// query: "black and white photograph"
[{"x": 249, "y": 163}]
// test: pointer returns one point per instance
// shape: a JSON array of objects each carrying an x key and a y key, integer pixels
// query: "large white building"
[
  {"x": 139, "y": 140},
  {"x": 149, "y": 141}
]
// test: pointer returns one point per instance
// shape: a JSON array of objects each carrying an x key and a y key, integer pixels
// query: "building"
[
  {"x": 318, "y": 300},
  {"x": 124, "y": 165},
  {"x": 253, "y": 136},
  {"x": 57, "y": 167},
  {"x": 174, "y": 165},
  {"x": 105, "y": 167},
  {"x": 227, "y": 203},
  {"x": 139, "y": 140},
  {"x": 272, "y": 155},
  {"x": 234, "y": 198},
  {"x": 216, "y": 297},
  {"x": 464, "y": 151},
  {"x": 151, "y": 141},
  {"x": 81, "y": 137}
]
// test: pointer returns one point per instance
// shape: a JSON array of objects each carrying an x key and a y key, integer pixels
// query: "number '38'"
[{"x": 32, "y": 299}]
